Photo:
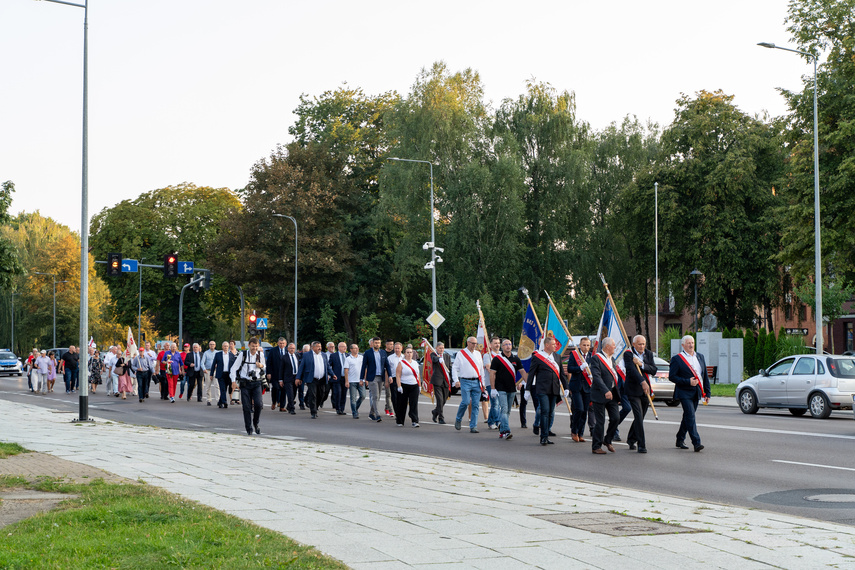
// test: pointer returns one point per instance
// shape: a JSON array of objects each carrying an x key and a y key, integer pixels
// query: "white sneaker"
[{"x": 415, "y": 424}]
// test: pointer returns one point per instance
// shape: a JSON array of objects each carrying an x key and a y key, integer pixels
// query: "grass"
[
  {"x": 723, "y": 390},
  {"x": 8, "y": 449},
  {"x": 136, "y": 526}
]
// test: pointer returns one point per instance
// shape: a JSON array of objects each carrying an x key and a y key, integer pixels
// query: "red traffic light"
[
  {"x": 253, "y": 318},
  {"x": 171, "y": 259}
]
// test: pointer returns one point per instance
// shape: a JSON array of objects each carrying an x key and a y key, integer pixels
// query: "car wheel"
[
  {"x": 748, "y": 402},
  {"x": 798, "y": 411},
  {"x": 819, "y": 406},
  {"x": 672, "y": 403}
]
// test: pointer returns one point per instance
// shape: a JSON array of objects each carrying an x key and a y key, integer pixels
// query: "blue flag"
[
  {"x": 555, "y": 325},
  {"x": 610, "y": 327},
  {"x": 530, "y": 338}
]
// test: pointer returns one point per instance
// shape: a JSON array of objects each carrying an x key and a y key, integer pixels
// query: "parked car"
[
  {"x": 59, "y": 352},
  {"x": 663, "y": 389},
  {"x": 801, "y": 383},
  {"x": 9, "y": 363}
]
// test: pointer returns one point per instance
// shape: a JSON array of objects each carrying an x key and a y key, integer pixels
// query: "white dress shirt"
[{"x": 463, "y": 369}]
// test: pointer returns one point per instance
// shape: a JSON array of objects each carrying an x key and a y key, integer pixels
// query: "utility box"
[
  {"x": 730, "y": 361},
  {"x": 707, "y": 344}
]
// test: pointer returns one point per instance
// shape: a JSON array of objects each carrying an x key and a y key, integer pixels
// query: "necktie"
[
  {"x": 293, "y": 364},
  {"x": 282, "y": 352}
]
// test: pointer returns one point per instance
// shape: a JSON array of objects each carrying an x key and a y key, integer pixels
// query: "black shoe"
[
  {"x": 314, "y": 416},
  {"x": 698, "y": 447},
  {"x": 682, "y": 444},
  {"x": 550, "y": 442},
  {"x": 219, "y": 405},
  {"x": 473, "y": 430},
  {"x": 441, "y": 421},
  {"x": 543, "y": 442},
  {"x": 292, "y": 412},
  {"x": 372, "y": 417},
  {"x": 523, "y": 426},
  {"x": 378, "y": 419},
  {"x": 551, "y": 434},
  {"x": 257, "y": 430},
  {"x": 536, "y": 430},
  {"x": 209, "y": 403},
  {"x": 249, "y": 432},
  {"x": 616, "y": 438},
  {"x": 302, "y": 407},
  {"x": 433, "y": 416},
  {"x": 632, "y": 447},
  {"x": 225, "y": 406},
  {"x": 642, "y": 450}
]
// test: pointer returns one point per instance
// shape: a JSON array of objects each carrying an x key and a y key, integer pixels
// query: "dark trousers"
[
  {"x": 335, "y": 393},
  {"x": 225, "y": 385},
  {"x": 392, "y": 388},
  {"x": 440, "y": 394},
  {"x": 143, "y": 383},
  {"x": 314, "y": 393},
  {"x": 75, "y": 378},
  {"x": 194, "y": 380},
  {"x": 523, "y": 405},
  {"x": 639, "y": 406},
  {"x": 164, "y": 386},
  {"x": 288, "y": 393},
  {"x": 611, "y": 406},
  {"x": 409, "y": 398},
  {"x": 546, "y": 406},
  {"x": 276, "y": 393},
  {"x": 625, "y": 407},
  {"x": 579, "y": 403},
  {"x": 301, "y": 390},
  {"x": 250, "y": 397},
  {"x": 67, "y": 377},
  {"x": 688, "y": 425},
  {"x": 324, "y": 394}
]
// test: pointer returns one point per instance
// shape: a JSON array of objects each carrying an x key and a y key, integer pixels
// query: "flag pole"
[
  {"x": 530, "y": 304},
  {"x": 569, "y": 338},
  {"x": 622, "y": 330}
]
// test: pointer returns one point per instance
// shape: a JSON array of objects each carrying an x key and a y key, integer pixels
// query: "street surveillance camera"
[
  {"x": 438, "y": 259},
  {"x": 439, "y": 249},
  {"x": 429, "y": 265},
  {"x": 427, "y": 245}
]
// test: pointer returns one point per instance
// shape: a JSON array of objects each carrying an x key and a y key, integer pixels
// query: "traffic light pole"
[{"x": 181, "y": 309}]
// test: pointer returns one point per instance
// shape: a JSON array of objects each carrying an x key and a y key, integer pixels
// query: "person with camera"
[{"x": 247, "y": 373}]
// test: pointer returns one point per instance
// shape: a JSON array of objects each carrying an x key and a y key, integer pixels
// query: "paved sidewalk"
[{"x": 379, "y": 510}]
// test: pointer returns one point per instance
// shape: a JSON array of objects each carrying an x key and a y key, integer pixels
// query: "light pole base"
[{"x": 83, "y": 411}]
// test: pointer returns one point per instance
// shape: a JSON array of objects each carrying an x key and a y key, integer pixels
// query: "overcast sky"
[{"x": 199, "y": 90}]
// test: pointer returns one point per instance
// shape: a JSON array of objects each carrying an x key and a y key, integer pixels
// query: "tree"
[
  {"x": 770, "y": 352},
  {"x": 749, "y": 348},
  {"x": 822, "y": 26},
  {"x": 833, "y": 298},
  {"x": 717, "y": 172},
  {"x": 760, "y": 349},
  {"x": 10, "y": 265}
]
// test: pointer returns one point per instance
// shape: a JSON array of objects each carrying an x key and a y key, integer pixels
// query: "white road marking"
[{"x": 813, "y": 465}]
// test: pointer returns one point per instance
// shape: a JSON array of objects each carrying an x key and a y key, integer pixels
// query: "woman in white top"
[
  {"x": 407, "y": 378},
  {"x": 353, "y": 364}
]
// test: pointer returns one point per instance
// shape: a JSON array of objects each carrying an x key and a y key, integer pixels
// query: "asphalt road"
[{"x": 770, "y": 460}]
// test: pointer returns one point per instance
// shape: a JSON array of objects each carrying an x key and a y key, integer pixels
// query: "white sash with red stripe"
[
  {"x": 444, "y": 372},
  {"x": 509, "y": 366},
  {"x": 609, "y": 367},
  {"x": 586, "y": 373},
  {"x": 465, "y": 353},
  {"x": 695, "y": 374},
  {"x": 549, "y": 361},
  {"x": 415, "y": 372}
]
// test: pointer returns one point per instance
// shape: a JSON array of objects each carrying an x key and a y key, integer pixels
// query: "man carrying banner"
[
  {"x": 580, "y": 388},
  {"x": 548, "y": 382},
  {"x": 503, "y": 379},
  {"x": 493, "y": 415},
  {"x": 638, "y": 362},
  {"x": 467, "y": 373},
  {"x": 605, "y": 395},
  {"x": 441, "y": 380},
  {"x": 688, "y": 371}
]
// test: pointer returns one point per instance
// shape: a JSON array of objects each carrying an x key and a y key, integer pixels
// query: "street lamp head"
[
  {"x": 695, "y": 272},
  {"x": 767, "y": 45},
  {"x": 393, "y": 158}
]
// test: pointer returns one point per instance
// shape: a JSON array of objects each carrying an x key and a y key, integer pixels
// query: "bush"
[
  {"x": 771, "y": 350},
  {"x": 665, "y": 341},
  {"x": 789, "y": 345},
  {"x": 749, "y": 346},
  {"x": 760, "y": 349}
]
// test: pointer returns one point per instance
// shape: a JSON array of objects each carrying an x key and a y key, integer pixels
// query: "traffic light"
[
  {"x": 252, "y": 320},
  {"x": 170, "y": 265},
  {"x": 206, "y": 284},
  {"x": 114, "y": 264}
]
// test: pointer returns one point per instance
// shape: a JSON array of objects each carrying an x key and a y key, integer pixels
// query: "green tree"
[
  {"x": 834, "y": 298},
  {"x": 10, "y": 265},
  {"x": 770, "y": 351},
  {"x": 760, "y": 349},
  {"x": 716, "y": 175},
  {"x": 749, "y": 349}
]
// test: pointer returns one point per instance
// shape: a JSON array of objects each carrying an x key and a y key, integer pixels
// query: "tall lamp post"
[
  {"x": 816, "y": 231},
  {"x": 13, "y": 320},
  {"x": 697, "y": 274},
  {"x": 84, "y": 217},
  {"x": 295, "y": 272},
  {"x": 54, "y": 301},
  {"x": 656, "y": 233},
  {"x": 434, "y": 259}
]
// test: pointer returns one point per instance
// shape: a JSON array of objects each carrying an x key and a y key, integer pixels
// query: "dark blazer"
[
  {"x": 306, "y": 371},
  {"x": 337, "y": 368},
  {"x": 577, "y": 378},
  {"x": 278, "y": 366},
  {"x": 603, "y": 381},
  {"x": 544, "y": 379},
  {"x": 218, "y": 369},
  {"x": 682, "y": 376},
  {"x": 369, "y": 366},
  {"x": 633, "y": 378},
  {"x": 437, "y": 378}
]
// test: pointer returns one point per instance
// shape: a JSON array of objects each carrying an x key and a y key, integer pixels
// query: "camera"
[{"x": 253, "y": 375}]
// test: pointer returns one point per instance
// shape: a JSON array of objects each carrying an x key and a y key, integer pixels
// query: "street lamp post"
[
  {"x": 697, "y": 274},
  {"x": 84, "y": 216},
  {"x": 54, "y": 301},
  {"x": 295, "y": 271},
  {"x": 434, "y": 259},
  {"x": 817, "y": 253},
  {"x": 13, "y": 320},
  {"x": 656, "y": 233}
]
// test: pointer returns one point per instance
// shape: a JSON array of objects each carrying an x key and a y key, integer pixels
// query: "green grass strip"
[{"x": 7, "y": 449}]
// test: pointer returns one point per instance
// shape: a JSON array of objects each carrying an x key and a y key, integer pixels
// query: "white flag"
[{"x": 132, "y": 346}]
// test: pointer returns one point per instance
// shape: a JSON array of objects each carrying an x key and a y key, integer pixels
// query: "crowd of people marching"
[{"x": 600, "y": 385}]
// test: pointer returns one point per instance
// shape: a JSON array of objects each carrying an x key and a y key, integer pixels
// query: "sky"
[{"x": 200, "y": 90}]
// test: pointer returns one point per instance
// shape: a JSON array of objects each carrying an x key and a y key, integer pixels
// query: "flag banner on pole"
[
  {"x": 530, "y": 337},
  {"x": 555, "y": 325},
  {"x": 131, "y": 351},
  {"x": 610, "y": 327},
  {"x": 91, "y": 342},
  {"x": 483, "y": 339},
  {"x": 427, "y": 370}
]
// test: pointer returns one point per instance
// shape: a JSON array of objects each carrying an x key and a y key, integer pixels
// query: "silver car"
[
  {"x": 801, "y": 383},
  {"x": 663, "y": 389}
]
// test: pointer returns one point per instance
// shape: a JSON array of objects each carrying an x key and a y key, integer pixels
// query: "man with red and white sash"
[
  {"x": 468, "y": 373},
  {"x": 580, "y": 388},
  {"x": 548, "y": 382},
  {"x": 688, "y": 371},
  {"x": 492, "y": 416},
  {"x": 503, "y": 380},
  {"x": 605, "y": 395},
  {"x": 441, "y": 379},
  {"x": 639, "y": 365}
]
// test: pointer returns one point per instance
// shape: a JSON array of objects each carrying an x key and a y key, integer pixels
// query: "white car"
[
  {"x": 801, "y": 383},
  {"x": 9, "y": 363}
]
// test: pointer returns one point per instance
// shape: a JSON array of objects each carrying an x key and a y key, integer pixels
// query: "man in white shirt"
[
  {"x": 356, "y": 386},
  {"x": 193, "y": 366},
  {"x": 393, "y": 359},
  {"x": 492, "y": 417},
  {"x": 212, "y": 387},
  {"x": 247, "y": 372},
  {"x": 688, "y": 371},
  {"x": 468, "y": 373}
]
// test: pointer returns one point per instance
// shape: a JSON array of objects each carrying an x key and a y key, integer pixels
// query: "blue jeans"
[
  {"x": 494, "y": 417},
  {"x": 356, "y": 390},
  {"x": 536, "y": 400},
  {"x": 546, "y": 405},
  {"x": 67, "y": 377},
  {"x": 470, "y": 391},
  {"x": 688, "y": 424},
  {"x": 505, "y": 401}
]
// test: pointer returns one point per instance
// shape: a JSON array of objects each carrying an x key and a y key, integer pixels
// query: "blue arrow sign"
[
  {"x": 185, "y": 267},
  {"x": 130, "y": 266},
  {"x": 261, "y": 323}
]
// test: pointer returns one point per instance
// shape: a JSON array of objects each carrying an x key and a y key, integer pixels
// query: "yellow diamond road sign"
[{"x": 435, "y": 319}]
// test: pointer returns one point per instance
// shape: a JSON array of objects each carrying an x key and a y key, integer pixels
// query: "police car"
[{"x": 9, "y": 363}]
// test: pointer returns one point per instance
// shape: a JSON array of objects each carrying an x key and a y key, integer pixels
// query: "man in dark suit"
[
  {"x": 688, "y": 371},
  {"x": 547, "y": 382},
  {"x": 578, "y": 365},
  {"x": 605, "y": 396},
  {"x": 277, "y": 359},
  {"x": 440, "y": 378},
  {"x": 374, "y": 371},
  {"x": 289, "y": 372},
  {"x": 336, "y": 382},
  {"x": 639, "y": 365},
  {"x": 223, "y": 361},
  {"x": 313, "y": 372}
]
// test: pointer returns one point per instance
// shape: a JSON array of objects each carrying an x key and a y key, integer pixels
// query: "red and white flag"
[{"x": 131, "y": 351}]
